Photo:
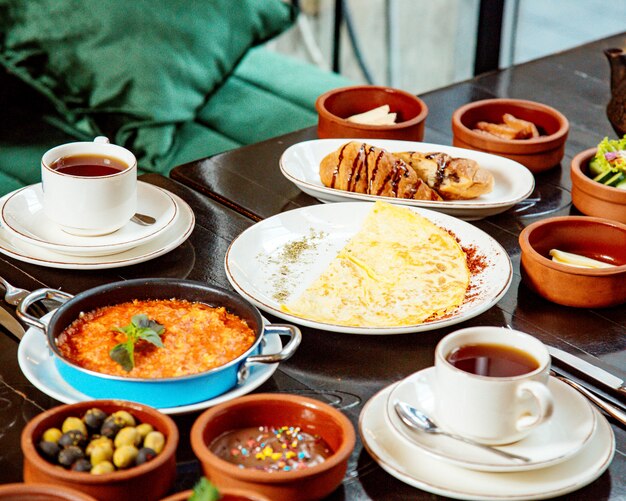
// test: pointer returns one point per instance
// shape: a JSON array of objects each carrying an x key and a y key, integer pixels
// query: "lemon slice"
[{"x": 577, "y": 260}]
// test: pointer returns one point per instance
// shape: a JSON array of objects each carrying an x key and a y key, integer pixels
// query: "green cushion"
[{"x": 132, "y": 70}]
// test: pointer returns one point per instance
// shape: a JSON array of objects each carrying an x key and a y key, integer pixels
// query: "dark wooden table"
[{"x": 231, "y": 191}]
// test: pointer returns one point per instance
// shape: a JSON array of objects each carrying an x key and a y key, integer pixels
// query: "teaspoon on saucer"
[
  {"x": 417, "y": 420},
  {"x": 143, "y": 219}
]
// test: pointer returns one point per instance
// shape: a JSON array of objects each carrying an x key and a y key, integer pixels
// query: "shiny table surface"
[{"x": 230, "y": 191}]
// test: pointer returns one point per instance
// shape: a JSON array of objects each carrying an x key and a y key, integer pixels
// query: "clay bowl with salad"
[
  {"x": 161, "y": 342},
  {"x": 575, "y": 261},
  {"x": 204, "y": 490},
  {"x": 528, "y": 132},
  {"x": 111, "y": 450},
  {"x": 286, "y": 447},
  {"x": 599, "y": 180},
  {"x": 370, "y": 112}
]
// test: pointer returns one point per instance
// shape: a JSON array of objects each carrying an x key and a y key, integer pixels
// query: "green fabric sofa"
[{"x": 236, "y": 91}]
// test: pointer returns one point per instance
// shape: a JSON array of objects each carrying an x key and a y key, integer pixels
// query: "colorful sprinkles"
[{"x": 270, "y": 448}]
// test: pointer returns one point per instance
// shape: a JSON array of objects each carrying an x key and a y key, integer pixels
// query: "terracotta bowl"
[
  {"x": 537, "y": 154},
  {"x": 226, "y": 495},
  {"x": 570, "y": 286},
  {"x": 593, "y": 198},
  {"x": 336, "y": 105},
  {"x": 151, "y": 480},
  {"x": 313, "y": 416},
  {"x": 41, "y": 492}
]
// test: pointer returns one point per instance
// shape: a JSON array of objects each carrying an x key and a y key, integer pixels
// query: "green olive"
[
  {"x": 143, "y": 429},
  {"x": 101, "y": 453},
  {"x": 125, "y": 456},
  {"x": 125, "y": 416},
  {"x": 105, "y": 442},
  {"x": 154, "y": 440},
  {"x": 127, "y": 436},
  {"x": 52, "y": 435},
  {"x": 74, "y": 423},
  {"x": 102, "y": 468}
]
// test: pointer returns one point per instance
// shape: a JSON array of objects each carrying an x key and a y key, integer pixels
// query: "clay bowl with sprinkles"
[
  {"x": 286, "y": 447},
  {"x": 127, "y": 481}
]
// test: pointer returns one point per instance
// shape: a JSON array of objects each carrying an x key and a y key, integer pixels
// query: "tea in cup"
[
  {"x": 491, "y": 384},
  {"x": 89, "y": 188}
]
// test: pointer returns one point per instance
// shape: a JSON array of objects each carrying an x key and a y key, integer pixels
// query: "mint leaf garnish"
[{"x": 140, "y": 328}]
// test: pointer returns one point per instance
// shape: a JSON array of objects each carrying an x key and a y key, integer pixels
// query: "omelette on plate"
[{"x": 399, "y": 269}]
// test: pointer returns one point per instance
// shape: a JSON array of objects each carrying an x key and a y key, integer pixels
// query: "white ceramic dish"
[
  {"x": 414, "y": 467},
  {"x": 513, "y": 182},
  {"x": 37, "y": 364},
  {"x": 256, "y": 270},
  {"x": 174, "y": 235},
  {"x": 568, "y": 430},
  {"x": 23, "y": 217}
]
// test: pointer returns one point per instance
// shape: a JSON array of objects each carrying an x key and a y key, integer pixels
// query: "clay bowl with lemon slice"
[{"x": 575, "y": 261}]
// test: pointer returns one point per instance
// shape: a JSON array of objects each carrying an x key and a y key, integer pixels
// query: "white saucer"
[
  {"x": 569, "y": 429},
  {"x": 173, "y": 235},
  {"x": 22, "y": 216},
  {"x": 414, "y": 467},
  {"x": 37, "y": 363}
]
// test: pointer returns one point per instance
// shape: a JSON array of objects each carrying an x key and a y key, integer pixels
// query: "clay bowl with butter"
[
  {"x": 591, "y": 197},
  {"x": 335, "y": 107},
  {"x": 150, "y": 480},
  {"x": 318, "y": 441},
  {"x": 595, "y": 238},
  {"x": 538, "y": 153},
  {"x": 41, "y": 492}
]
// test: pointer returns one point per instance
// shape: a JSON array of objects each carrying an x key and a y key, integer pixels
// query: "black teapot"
[{"x": 616, "y": 109}]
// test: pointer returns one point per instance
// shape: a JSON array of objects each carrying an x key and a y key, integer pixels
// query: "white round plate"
[
  {"x": 513, "y": 182},
  {"x": 568, "y": 430},
  {"x": 255, "y": 269},
  {"x": 22, "y": 216},
  {"x": 174, "y": 235},
  {"x": 37, "y": 363},
  {"x": 414, "y": 467}
]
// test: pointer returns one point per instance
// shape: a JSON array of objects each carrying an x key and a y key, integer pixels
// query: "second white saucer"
[
  {"x": 22, "y": 216},
  {"x": 571, "y": 426}
]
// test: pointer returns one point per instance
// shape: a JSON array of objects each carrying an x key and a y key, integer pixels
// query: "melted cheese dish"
[{"x": 400, "y": 269}]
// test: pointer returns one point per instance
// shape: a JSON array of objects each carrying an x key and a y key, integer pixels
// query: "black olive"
[
  {"x": 111, "y": 426},
  {"x": 69, "y": 455},
  {"x": 50, "y": 450},
  {"x": 144, "y": 455},
  {"x": 94, "y": 418},
  {"x": 82, "y": 464},
  {"x": 72, "y": 437}
]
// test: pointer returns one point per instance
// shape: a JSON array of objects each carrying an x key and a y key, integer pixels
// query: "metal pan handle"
[
  {"x": 33, "y": 297},
  {"x": 271, "y": 358}
]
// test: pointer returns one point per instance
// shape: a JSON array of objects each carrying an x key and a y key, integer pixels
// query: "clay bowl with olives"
[
  {"x": 286, "y": 447},
  {"x": 83, "y": 341},
  {"x": 111, "y": 450}
]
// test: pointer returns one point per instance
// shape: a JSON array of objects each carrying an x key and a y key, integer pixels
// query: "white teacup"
[
  {"x": 89, "y": 188},
  {"x": 492, "y": 409}
]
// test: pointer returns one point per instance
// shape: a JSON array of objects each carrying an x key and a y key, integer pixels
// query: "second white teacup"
[
  {"x": 89, "y": 188},
  {"x": 491, "y": 384}
]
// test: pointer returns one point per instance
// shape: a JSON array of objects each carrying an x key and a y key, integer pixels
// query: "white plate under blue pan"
[{"x": 37, "y": 363}]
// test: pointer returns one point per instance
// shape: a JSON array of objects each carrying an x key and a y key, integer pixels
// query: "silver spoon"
[
  {"x": 417, "y": 420},
  {"x": 143, "y": 219}
]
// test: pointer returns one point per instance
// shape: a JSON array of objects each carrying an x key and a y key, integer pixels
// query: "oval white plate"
[
  {"x": 568, "y": 430},
  {"x": 174, "y": 235},
  {"x": 418, "y": 469},
  {"x": 255, "y": 270},
  {"x": 512, "y": 181},
  {"x": 37, "y": 363},
  {"x": 22, "y": 216}
]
